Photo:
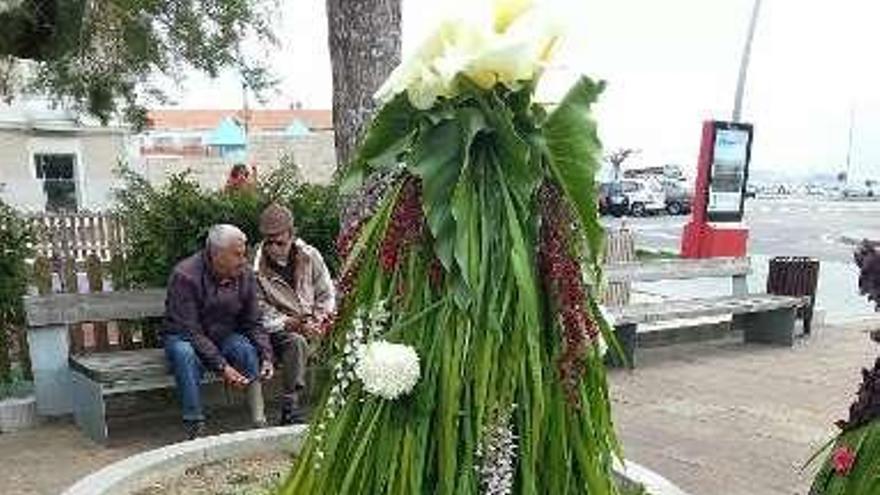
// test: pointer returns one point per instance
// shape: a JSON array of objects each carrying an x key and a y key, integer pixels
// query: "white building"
[{"x": 52, "y": 161}]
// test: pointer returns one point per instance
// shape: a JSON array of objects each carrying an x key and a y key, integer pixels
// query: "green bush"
[
  {"x": 14, "y": 249},
  {"x": 165, "y": 224}
]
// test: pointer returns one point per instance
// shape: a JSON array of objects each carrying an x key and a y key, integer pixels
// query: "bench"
[
  {"x": 70, "y": 379},
  {"x": 764, "y": 318}
]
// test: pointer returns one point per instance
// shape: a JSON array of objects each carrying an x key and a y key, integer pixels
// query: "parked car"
[
  {"x": 645, "y": 196},
  {"x": 678, "y": 198},
  {"x": 612, "y": 200}
]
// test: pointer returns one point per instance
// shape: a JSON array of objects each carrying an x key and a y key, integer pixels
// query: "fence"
[
  {"x": 619, "y": 248},
  {"x": 77, "y": 235}
]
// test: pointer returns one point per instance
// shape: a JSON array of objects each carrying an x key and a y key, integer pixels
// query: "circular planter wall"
[{"x": 136, "y": 472}]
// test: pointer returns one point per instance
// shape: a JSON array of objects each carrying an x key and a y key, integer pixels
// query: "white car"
[{"x": 645, "y": 196}]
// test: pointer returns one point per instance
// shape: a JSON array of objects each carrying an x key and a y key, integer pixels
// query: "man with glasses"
[{"x": 297, "y": 298}]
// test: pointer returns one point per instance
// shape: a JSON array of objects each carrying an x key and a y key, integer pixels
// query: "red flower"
[{"x": 843, "y": 459}]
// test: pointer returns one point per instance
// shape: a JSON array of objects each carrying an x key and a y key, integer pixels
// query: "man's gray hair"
[{"x": 222, "y": 236}]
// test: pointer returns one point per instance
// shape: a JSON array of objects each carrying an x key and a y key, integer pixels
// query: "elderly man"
[
  {"x": 297, "y": 297},
  {"x": 212, "y": 321}
]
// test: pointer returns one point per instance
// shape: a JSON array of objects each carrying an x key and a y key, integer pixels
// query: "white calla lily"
[
  {"x": 505, "y": 12},
  {"x": 515, "y": 47}
]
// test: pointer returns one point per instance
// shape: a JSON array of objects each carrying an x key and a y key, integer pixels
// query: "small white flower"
[{"x": 388, "y": 370}]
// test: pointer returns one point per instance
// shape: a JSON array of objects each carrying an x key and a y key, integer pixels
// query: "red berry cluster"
[
  {"x": 347, "y": 237},
  {"x": 563, "y": 280},
  {"x": 406, "y": 225},
  {"x": 361, "y": 206},
  {"x": 347, "y": 279}
]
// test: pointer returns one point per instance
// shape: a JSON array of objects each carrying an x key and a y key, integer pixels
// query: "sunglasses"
[{"x": 277, "y": 242}]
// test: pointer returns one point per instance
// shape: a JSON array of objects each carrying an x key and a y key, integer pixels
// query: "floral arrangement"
[{"x": 469, "y": 340}]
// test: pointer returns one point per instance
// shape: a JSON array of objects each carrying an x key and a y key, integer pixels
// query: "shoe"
[
  {"x": 291, "y": 415},
  {"x": 194, "y": 428},
  {"x": 286, "y": 415}
]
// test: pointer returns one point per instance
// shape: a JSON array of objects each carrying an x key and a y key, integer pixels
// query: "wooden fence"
[{"x": 77, "y": 235}]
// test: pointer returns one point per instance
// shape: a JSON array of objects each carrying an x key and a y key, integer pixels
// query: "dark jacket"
[{"x": 199, "y": 307}]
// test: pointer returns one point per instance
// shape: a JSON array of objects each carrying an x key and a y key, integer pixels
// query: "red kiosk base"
[
  {"x": 721, "y": 234},
  {"x": 705, "y": 240}
]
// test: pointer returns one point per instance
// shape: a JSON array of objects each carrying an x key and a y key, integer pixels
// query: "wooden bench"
[
  {"x": 764, "y": 318},
  {"x": 69, "y": 380},
  {"x": 66, "y": 380}
]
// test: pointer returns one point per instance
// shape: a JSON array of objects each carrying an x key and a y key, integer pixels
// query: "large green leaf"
[
  {"x": 573, "y": 150},
  {"x": 438, "y": 159},
  {"x": 513, "y": 153},
  {"x": 390, "y": 134}
]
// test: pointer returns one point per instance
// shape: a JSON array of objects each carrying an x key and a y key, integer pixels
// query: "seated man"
[
  {"x": 297, "y": 298},
  {"x": 212, "y": 321}
]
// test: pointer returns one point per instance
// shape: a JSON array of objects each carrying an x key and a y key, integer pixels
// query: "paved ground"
[
  {"x": 779, "y": 227},
  {"x": 726, "y": 418},
  {"x": 47, "y": 459}
]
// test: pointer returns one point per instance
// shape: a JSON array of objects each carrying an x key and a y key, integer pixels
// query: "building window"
[{"x": 56, "y": 170}]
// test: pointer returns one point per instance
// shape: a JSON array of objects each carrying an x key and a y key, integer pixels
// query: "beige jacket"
[{"x": 312, "y": 293}]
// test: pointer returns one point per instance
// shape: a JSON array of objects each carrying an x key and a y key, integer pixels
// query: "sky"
[{"x": 669, "y": 66}]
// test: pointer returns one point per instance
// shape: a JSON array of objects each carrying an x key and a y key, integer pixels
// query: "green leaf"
[
  {"x": 573, "y": 150},
  {"x": 513, "y": 152},
  {"x": 437, "y": 161},
  {"x": 390, "y": 134},
  {"x": 439, "y": 157}
]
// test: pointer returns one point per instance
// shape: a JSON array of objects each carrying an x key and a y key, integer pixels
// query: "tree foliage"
[{"x": 103, "y": 56}]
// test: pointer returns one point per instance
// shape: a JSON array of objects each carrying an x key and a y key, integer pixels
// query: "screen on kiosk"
[{"x": 728, "y": 170}]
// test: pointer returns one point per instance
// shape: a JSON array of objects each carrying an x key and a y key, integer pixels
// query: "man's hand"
[
  {"x": 293, "y": 323},
  {"x": 267, "y": 370},
  {"x": 305, "y": 325},
  {"x": 233, "y": 377},
  {"x": 311, "y": 328}
]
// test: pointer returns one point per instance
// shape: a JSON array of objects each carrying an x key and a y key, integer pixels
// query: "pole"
[
  {"x": 852, "y": 113},
  {"x": 744, "y": 64}
]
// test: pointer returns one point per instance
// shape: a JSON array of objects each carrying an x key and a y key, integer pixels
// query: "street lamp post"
[{"x": 744, "y": 63}]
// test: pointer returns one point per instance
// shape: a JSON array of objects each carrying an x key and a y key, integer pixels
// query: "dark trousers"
[{"x": 292, "y": 353}]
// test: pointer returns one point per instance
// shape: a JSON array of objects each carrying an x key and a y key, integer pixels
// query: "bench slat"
[
  {"x": 128, "y": 371},
  {"x": 144, "y": 364},
  {"x": 676, "y": 269},
  {"x": 65, "y": 309},
  {"x": 697, "y": 308}
]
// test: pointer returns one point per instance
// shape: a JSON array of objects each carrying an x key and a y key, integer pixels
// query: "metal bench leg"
[
  {"x": 768, "y": 327},
  {"x": 89, "y": 409},
  {"x": 626, "y": 337}
]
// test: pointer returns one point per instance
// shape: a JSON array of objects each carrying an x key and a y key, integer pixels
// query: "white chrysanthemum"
[{"x": 387, "y": 370}]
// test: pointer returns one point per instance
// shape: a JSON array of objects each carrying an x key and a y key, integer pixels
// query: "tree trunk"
[{"x": 364, "y": 39}]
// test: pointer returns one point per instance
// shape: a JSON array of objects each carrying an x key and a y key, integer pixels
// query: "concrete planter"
[
  {"x": 139, "y": 471},
  {"x": 18, "y": 414}
]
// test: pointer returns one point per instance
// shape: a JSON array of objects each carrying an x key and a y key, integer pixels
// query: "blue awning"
[{"x": 228, "y": 133}]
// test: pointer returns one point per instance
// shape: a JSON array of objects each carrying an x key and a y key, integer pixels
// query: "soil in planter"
[{"x": 254, "y": 475}]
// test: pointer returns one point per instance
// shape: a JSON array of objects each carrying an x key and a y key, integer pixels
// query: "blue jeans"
[{"x": 239, "y": 352}]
